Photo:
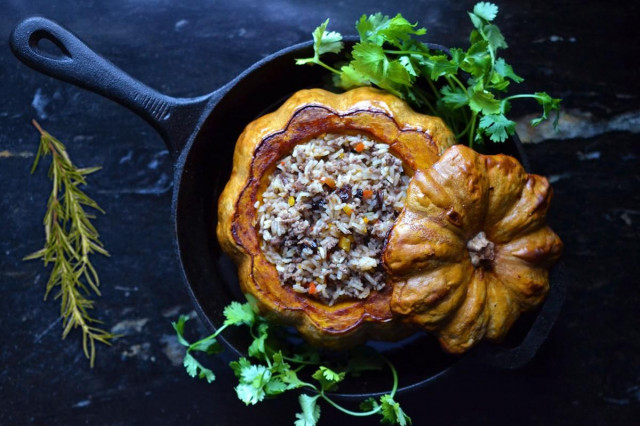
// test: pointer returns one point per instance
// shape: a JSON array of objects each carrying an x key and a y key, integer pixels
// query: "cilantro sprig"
[
  {"x": 466, "y": 88},
  {"x": 273, "y": 367}
]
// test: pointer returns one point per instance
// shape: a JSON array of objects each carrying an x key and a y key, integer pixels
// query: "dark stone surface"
[{"x": 588, "y": 372}]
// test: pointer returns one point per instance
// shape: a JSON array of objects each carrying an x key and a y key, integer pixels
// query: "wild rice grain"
[{"x": 326, "y": 178}]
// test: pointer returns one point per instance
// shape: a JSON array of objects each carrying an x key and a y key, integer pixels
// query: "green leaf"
[
  {"x": 477, "y": 21},
  {"x": 392, "y": 413},
  {"x": 407, "y": 63},
  {"x": 323, "y": 42},
  {"x": 275, "y": 386},
  {"x": 209, "y": 345},
  {"x": 310, "y": 411},
  {"x": 195, "y": 369},
  {"x": 505, "y": 70},
  {"x": 253, "y": 380},
  {"x": 239, "y": 365},
  {"x": 494, "y": 37},
  {"x": 379, "y": 29},
  {"x": 257, "y": 348},
  {"x": 498, "y": 127},
  {"x": 486, "y": 10},
  {"x": 249, "y": 394},
  {"x": 237, "y": 313},
  {"x": 548, "y": 104},
  {"x": 498, "y": 82},
  {"x": 369, "y": 404},
  {"x": 328, "y": 378},
  {"x": 178, "y": 326},
  {"x": 454, "y": 97},
  {"x": 477, "y": 60},
  {"x": 370, "y": 61},
  {"x": 349, "y": 78},
  {"x": 485, "y": 102},
  {"x": 256, "y": 375},
  {"x": 441, "y": 66}
]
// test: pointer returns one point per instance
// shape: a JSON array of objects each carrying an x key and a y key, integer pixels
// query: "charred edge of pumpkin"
[{"x": 306, "y": 305}]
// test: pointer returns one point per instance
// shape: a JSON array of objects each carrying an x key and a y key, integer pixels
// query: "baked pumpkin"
[
  {"x": 471, "y": 249},
  {"x": 384, "y": 123}
]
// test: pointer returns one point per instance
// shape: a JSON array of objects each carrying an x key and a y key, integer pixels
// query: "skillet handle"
[{"x": 174, "y": 118}]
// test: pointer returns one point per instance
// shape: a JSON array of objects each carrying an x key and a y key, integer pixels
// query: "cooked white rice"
[{"x": 325, "y": 213}]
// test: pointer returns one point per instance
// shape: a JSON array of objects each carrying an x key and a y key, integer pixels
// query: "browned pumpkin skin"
[
  {"x": 431, "y": 250},
  {"x": 416, "y": 139}
]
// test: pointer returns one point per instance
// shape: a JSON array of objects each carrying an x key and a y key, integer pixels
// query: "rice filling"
[{"x": 325, "y": 214}]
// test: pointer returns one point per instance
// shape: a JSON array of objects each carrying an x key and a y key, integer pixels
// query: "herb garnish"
[
  {"x": 70, "y": 239},
  {"x": 464, "y": 88},
  {"x": 271, "y": 369}
]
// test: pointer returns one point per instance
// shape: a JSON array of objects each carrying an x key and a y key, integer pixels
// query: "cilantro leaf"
[
  {"x": 505, "y": 70},
  {"x": 253, "y": 379},
  {"x": 275, "y": 386},
  {"x": 195, "y": 369},
  {"x": 498, "y": 127},
  {"x": 407, "y": 63},
  {"x": 249, "y": 394},
  {"x": 370, "y": 61},
  {"x": 349, "y": 78},
  {"x": 257, "y": 348},
  {"x": 494, "y": 37},
  {"x": 209, "y": 345},
  {"x": 369, "y": 404},
  {"x": 485, "y": 102},
  {"x": 178, "y": 326},
  {"x": 328, "y": 378},
  {"x": 238, "y": 366},
  {"x": 310, "y": 411},
  {"x": 379, "y": 29},
  {"x": 485, "y": 10},
  {"x": 454, "y": 97},
  {"x": 237, "y": 314},
  {"x": 548, "y": 104},
  {"x": 440, "y": 66},
  {"x": 323, "y": 42},
  {"x": 477, "y": 60},
  {"x": 392, "y": 413}
]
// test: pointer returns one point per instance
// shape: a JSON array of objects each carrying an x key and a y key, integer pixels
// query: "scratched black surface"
[{"x": 588, "y": 372}]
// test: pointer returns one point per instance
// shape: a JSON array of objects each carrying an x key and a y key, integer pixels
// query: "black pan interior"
[{"x": 206, "y": 168}]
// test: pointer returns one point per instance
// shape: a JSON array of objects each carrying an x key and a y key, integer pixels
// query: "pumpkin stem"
[{"x": 481, "y": 251}]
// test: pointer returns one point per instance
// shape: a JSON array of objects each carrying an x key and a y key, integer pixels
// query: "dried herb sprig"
[{"x": 70, "y": 240}]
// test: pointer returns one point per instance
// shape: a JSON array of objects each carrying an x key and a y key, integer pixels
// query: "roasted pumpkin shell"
[
  {"x": 471, "y": 249},
  {"x": 416, "y": 139}
]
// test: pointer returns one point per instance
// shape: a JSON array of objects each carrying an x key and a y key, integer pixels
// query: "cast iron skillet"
[{"x": 200, "y": 133}]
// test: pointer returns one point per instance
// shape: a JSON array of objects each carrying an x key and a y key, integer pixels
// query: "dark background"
[{"x": 588, "y": 372}]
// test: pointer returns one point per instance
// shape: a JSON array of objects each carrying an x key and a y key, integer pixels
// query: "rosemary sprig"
[{"x": 70, "y": 240}]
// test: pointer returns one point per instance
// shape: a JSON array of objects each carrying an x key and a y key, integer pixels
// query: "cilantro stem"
[
  {"x": 456, "y": 81},
  {"x": 473, "y": 128},
  {"x": 299, "y": 361},
  {"x": 407, "y": 52},
  {"x": 328, "y": 67},
  {"x": 464, "y": 131},
  {"x": 425, "y": 99},
  {"x": 209, "y": 337},
  {"x": 520, "y": 96},
  {"x": 346, "y": 410},
  {"x": 394, "y": 390}
]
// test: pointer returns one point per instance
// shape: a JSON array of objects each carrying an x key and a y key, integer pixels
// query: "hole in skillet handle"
[
  {"x": 419, "y": 360},
  {"x": 47, "y": 45}
]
